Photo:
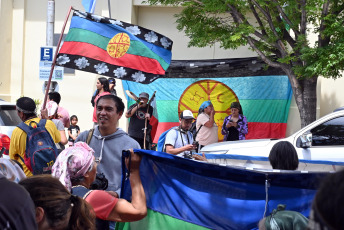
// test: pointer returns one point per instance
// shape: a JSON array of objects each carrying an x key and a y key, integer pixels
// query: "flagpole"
[
  {"x": 54, "y": 60},
  {"x": 109, "y": 8},
  {"x": 145, "y": 132}
]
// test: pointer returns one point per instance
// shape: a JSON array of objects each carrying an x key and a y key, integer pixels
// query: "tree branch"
[
  {"x": 262, "y": 55},
  {"x": 323, "y": 41},
  {"x": 240, "y": 18},
  {"x": 303, "y": 22},
  {"x": 286, "y": 18},
  {"x": 268, "y": 18},
  {"x": 274, "y": 51},
  {"x": 258, "y": 19},
  {"x": 195, "y": 1}
]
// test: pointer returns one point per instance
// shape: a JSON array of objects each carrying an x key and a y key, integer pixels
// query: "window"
[
  {"x": 9, "y": 116},
  {"x": 329, "y": 133}
]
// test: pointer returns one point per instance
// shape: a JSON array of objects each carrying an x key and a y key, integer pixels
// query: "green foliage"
[{"x": 233, "y": 23}]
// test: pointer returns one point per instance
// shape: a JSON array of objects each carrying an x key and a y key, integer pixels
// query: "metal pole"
[
  {"x": 109, "y": 6},
  {"x": 50, "y": 23},
  {"x": 54, "y": 60}
]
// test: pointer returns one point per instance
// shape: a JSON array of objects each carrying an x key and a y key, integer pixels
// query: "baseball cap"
[
  {"x": 186, "y": 114},
  {"x": 144, "y": 95}
]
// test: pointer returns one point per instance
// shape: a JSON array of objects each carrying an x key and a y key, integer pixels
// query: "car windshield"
[{"x": 9, "y": 116}]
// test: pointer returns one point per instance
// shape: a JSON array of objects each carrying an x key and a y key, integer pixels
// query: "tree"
[{"x": 279, "y": 31}]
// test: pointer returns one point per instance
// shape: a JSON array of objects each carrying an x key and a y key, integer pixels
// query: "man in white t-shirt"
[
  {"x": 208, "y": 133},
  {"x": 179, "y": 140}
]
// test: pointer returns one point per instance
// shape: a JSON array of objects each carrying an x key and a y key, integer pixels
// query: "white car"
[
  {"x": 9, "y": 119},
  {"x": 320, "y": 147}
]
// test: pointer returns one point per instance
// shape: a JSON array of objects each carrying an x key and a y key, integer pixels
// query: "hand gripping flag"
[{"x": 114, "y": 48}]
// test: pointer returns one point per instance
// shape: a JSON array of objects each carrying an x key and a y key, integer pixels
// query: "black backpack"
[{"x": 193, "y": 129}]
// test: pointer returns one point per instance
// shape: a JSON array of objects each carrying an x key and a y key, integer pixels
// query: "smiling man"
[{"x": 108, "y": 140}]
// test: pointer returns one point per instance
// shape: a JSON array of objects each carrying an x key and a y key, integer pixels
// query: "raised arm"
[
  {"x": 210, "y": 122},
  {"x": 137, "y": 209},
  {"x": 131, "y": 111}
]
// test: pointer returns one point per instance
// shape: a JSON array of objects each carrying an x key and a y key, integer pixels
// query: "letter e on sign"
[{"x": 46, "y": 53}]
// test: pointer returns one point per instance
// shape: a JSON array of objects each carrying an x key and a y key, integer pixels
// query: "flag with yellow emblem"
[{"x": 114, "y": 48}]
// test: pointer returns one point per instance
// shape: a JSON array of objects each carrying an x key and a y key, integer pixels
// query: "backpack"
[
  {"x": 40, "y": 152},
  {"x": 162, "y": 138},
  {"x": 193, "y": 129}
]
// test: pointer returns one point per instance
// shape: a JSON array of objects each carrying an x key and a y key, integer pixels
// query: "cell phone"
[
  {"x": 196, "y": 144},
  {"x": 230, "y": 120}
]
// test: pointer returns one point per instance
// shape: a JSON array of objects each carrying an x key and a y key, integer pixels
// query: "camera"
[{"x": 100, "y": 183}]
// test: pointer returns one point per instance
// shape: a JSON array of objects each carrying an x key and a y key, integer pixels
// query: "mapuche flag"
[
  {"x": 265, "y": 101},
  {"x": 114, "y": 48}
]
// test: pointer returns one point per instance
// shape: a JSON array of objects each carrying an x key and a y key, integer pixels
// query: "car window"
[
  {"x": 9, "y": 116},
  {"x": 329, "y": 133}
]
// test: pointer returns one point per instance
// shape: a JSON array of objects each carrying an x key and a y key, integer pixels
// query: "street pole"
[
  {"x": 109, "y": 8},
  {"x": 55, "y": 56},
  {"x": 50, "y": 23}
]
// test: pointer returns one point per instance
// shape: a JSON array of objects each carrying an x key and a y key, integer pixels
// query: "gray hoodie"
[{"x": 108, "y": 150}]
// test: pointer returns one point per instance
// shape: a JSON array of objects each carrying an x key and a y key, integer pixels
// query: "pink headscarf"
[{"x": 72, "y": 163}]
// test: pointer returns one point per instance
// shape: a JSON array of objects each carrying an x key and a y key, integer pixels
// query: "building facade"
[{"x": 24, "y": 32}]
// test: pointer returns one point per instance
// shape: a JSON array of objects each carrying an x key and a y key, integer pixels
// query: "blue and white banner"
[{"x": 219, "y": 197}]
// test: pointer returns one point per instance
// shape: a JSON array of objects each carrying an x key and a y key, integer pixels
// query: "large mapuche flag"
[
  {"x": 265, "y": 101},
  {"x": 114, "y": 48}
]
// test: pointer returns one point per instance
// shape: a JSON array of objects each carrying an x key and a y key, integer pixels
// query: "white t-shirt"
[
  {"x": 205, "y": 135},
  {"x": 178, "y": 139}
]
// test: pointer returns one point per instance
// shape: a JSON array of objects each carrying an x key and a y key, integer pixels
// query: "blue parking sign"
[{"x": 46, "y": 53}]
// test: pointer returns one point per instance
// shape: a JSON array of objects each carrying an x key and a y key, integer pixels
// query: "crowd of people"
[{"x": 63, "y": 197}]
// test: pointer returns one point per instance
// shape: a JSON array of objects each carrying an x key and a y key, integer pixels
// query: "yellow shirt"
[{"x": 18, "y": 141}]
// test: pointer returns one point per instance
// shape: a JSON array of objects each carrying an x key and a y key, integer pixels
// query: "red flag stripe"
[
  {"x": 154, "y": 123},
  {"x": 128, "y": 60}
]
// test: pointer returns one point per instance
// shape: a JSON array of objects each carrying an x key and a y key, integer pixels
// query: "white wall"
[{"x": 5, "y": 45}]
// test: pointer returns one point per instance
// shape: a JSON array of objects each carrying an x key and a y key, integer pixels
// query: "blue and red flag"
[{"x": 114, "y": 48}]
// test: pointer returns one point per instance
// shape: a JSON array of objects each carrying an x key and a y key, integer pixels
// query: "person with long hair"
[
  {"x": 56, "y": 208},
  {"x": 102, "y": 89},
  {"x": 76, "y": 169},
  {"x": 235, "y": 125}
]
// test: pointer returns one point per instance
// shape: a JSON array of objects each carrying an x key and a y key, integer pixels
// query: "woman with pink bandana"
[{"x": 76, "y": 169}]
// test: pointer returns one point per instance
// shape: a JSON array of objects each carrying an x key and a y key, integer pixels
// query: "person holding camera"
[
  {"x": 179, "y": 140},
  {"x": 235, "y": 125},
  {"x": 76, "y": 169}
]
